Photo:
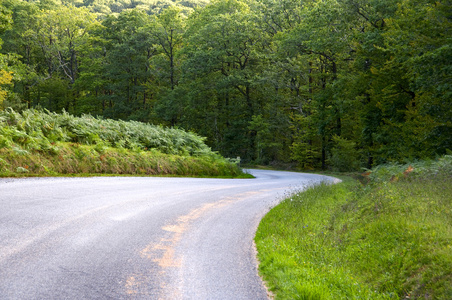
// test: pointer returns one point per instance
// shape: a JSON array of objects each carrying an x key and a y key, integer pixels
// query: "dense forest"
[{"x": 339, "y": 84}]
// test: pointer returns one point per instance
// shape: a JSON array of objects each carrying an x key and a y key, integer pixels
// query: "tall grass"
[
  {"x": 43, "y": 143},
  {"x": 388, "y": 239}
]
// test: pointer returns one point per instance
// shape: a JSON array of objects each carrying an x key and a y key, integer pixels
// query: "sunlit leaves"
[{"x": 5, "y": 78}]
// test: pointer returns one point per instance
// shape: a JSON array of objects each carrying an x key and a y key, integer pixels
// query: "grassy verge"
[
  {"x": 390, "y": 238},
  {"x": 75, "y": 159},
  {"x": 37, "y": 143}
]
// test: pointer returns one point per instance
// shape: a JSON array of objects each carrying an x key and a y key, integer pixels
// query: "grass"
[
  {"x": 85, "y": 160},
  {"x": 390, "y": 238},
  {"x": 37, "y": 143}
]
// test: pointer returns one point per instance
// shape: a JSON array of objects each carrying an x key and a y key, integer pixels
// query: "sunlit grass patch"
[{"x": 386, "y": 240}]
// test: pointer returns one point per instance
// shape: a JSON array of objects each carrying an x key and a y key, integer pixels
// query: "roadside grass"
[
  {"x": 70, "y": 159},
  {"x": 37, "y": 143},
  {"x": 390, "y": 238}
]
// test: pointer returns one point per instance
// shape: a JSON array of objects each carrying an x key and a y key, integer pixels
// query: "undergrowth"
[
  {"x": 390, "y": 238},
  {"x": 38, "y": 143}
]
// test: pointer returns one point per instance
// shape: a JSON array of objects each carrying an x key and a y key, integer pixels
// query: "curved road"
[{"x": 136, "y": 238}]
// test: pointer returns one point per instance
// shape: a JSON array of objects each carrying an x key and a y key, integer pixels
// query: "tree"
[
  {"x": 61, "y": 32},
  {"x": 319, "y": 48},
  {"x": 224, "y": 55},
  {"x": 5, "y": 76},
  {"x": 420, "y": 42},
  {"x": 47, "y": 36},
  {"x": 321, "y": 82},
  {"x": 128, "y": 51},
  {"x": 166, "y": 32}
]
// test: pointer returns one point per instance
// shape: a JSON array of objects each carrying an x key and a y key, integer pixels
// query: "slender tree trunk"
[
  {"x": 248, "y": 99},
  {"x": 323, "y": 152},
  {"x": 310, "y": 79},
  {"x": 171, "y": 60}
]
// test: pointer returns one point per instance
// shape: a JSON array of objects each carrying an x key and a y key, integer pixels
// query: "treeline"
[
  {"x": 334, "y": 83},
  {"x": 106, "y": 7}
]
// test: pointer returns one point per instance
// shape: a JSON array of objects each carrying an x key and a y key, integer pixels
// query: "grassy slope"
[
  {"x": 36, "y": 143},
  {"x": 83, "y": 160},
  {"x": 389, "y": 239}
]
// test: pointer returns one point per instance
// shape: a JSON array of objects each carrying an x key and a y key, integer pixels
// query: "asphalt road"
[{"x": 136, "y": 238}]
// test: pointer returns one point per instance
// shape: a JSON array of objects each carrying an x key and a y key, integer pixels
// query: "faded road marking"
[
  {"x": 163, "y": 252},
  {"x": 167, "y": 245}
]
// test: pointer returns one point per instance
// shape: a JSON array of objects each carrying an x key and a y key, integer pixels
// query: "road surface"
[{"x": 136, "y": 238}]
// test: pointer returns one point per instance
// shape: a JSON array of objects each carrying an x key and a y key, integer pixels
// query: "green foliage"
[
  {"x": 5, "y": 19},
  {"x": 345, "y": 156},
  {"x": 221, "y": 72},
  {"x": 29, "y": 127},
  {"x": 45, "y": 143},
  {"x": 394, "y": 172},
  {"x": 268, "y": 146},
  {"x": 387, "y": 240},
  {"x": 5, "y": 79},
  {"x": 264, "y": 80},
  {"x": 305, "y": 149}
]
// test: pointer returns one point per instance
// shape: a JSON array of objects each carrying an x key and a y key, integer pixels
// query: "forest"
[{"x": 323, "y": 84}]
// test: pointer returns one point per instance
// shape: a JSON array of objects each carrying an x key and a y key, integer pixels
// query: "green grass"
[
  {"x": 388, "y": 239},
  {"x": 85, "y": 160},
  {"x": 37, "y": 143}
]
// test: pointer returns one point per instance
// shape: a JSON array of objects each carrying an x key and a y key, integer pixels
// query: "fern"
[{"x": 37, "y": 129}]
